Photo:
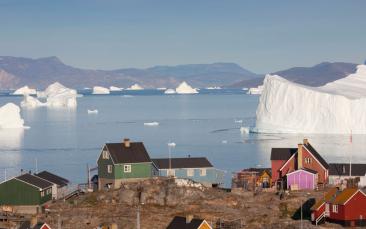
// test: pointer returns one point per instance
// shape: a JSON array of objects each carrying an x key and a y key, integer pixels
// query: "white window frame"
[
  {"x": 190, "y": 172},
  {"x": 203, "y": 172},
  {"x": 105, "y": 154},
  {"x": 109, "y": 168},
  {"x": 42, "y": 193},
  {"x": 127, "y": 168},
  {"x": 335, "y": 208},
  {"x": 171, "y": 172}
]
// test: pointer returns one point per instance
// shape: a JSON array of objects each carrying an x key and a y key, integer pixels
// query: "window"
[
  {"x": 48, "y": 191},
  {"x": 42, "y": 194},
  {"x": 335, "y": 208},
  {"x": 308, "y": 160},
  {"x": 190, "y": 172},
  {"x": 202, "y": 172},
  {"x": 105, "y": 154},
  {"x": 127, "y": 168},
  {"x": 171, "y": 172},
  {"x": 109, "y": 168}
]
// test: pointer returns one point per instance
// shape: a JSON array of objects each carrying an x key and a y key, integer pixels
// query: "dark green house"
[
  {"x": 123, "y": 162},
  {"x": 25, "y": 190}
]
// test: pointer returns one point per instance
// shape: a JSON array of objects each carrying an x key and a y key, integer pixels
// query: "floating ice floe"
[
  {"x": 338, "y": 107},
  {"x": 135, "y": 87},
  {"x": 213, "y": 88},
  {"x": 238, "y": 121},
  {"x": 25, "y": 91},
  {"x": 10, "y": 117},
  {"x": 98, "y": 90},
  {"x": 56, "y": 95},
  {"x": 161, "y": 88},
  {"x": 185, "y": 88},
  {"x": 224, "y": 141},
  {"x": 95, "y": 111},
  {"x": 113, "y": 88},
  {"x": 170, "y": 91},
  {"x": 255, "y": 90},
  {"x": 244, "y": 130},
  {"x": 151, "y": 124}
]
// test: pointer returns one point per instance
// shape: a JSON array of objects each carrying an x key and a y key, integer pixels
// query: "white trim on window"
[
  {"x": 203, "y": 172},
  {"x": 171, "y": 172},
  {"x": 127, "y": 168},
  {"x": 335, "y": 208},
  {"x": 109, "y": 168},
  {"x": 190, "y": 172},
  {"x": 105, "y": 154}
]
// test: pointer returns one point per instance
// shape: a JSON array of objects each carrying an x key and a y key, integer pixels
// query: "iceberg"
[
  {"x": 151, "y": 124},
  {"x": 56, "y": 95},
  {"x": 185, "y": 88},
  {"x": 10, "y": 117},
  {"x": 135, "y": 87},
  {"x": 170, "y": 91},
  {"x": 255, "y": 90},
  {"x": 161, "y": 88},
  {"x": 113, "y": 88},
  {"x": 95, "y": 111},
  {"x": 97, "y": 90},
  {"x": 25, "y": 91},
  {"x": 338, "y": 107},
  {"x": 213, "y": 88}
]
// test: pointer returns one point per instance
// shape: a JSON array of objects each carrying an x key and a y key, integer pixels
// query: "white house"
[
  {"x": 59, "y": 187},
  {"x": 338, "y": 172}
]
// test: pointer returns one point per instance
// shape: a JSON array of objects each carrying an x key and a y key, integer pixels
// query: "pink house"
[{"x": 302, "y": 179}]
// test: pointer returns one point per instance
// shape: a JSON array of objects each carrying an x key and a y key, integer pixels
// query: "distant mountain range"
[{"x": 39, "y": 73}]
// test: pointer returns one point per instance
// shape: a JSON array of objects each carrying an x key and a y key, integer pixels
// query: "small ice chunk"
[
  {"x": 135, "y": 87},
  {"x": 98, "y": 90},
  {"x": 255, "y": 90},
  {"x": 172, "y": 144},
  {"x": 151, "y": 124},
  {"x": 10, "y": 117},
  {"x": 244, "y": 130},
  {"x": 25, "y": 91},
  {"x": 224, "y": 141},
  {"x": 185, "y": 88},
  {"x": 31, "y": 102},
  {"x": 170, "y": 91},
  {"x": 161, "y": 88},
  {"x": 239, "y": 121},
  {"x": 113, "y": 88},
  {"x": 213, "y": 88},
  {"x": 95, "y": 111}
]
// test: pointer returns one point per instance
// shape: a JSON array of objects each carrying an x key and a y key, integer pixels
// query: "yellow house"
[{"x": 264, "y": 179}]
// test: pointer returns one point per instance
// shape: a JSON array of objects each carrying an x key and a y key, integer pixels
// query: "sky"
[{"x": 260, "y": 35}]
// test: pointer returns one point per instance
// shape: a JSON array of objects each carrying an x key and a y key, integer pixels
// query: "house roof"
[
  {"x": 344, "y": 196},
  {"x": 34, "y": 180},
  {"x": 327, "y": 197},
  {"x": 53, "y": 178},
  {"x": 180, "y": 223},
  {"x": 316, "y": 155},
  {"x": 136, "y": 153},
  {"x": 186, "y": 162},
  {"x": 303, "y": 169},
  {"x": 342, "y": 169},
  {"x": 282, "y": 153}
]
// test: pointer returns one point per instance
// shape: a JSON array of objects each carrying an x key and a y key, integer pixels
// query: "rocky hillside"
[
  {"x": 317, "y": 75},
  {"x": 162, "y": 199},
  {"x": 39, "y": 73}
]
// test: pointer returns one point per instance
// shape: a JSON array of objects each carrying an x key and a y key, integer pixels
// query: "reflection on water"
[{"x": 10, "y": 151}]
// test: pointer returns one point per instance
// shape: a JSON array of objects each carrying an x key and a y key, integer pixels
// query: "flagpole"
[{"x": 350, "y": 158}]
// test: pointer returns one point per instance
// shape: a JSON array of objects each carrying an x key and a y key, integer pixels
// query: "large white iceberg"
[
  {"x": 25, "y": 91},
  {"x": 10, "y": 116},
  {"x": 97, "y": 90},
  {"x": 338, "y": 107},
  {"x": 56, "y": 95},
  {"x": 185, "y": 88},
  {"x": 135, "y": 87}
]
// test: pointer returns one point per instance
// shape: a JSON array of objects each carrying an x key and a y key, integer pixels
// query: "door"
[{"x": 326, "y": 209}]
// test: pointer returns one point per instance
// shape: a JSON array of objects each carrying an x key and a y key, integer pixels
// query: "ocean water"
[{"x": 64, "y": 141}]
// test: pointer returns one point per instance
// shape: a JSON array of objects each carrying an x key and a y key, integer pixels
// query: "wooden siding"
[
  {"x": 314, "y": 165},
  {"x": 15, "y": 192},
  {"x": 213, "y": 176}
]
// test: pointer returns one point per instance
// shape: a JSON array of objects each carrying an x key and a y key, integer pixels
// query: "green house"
[
  {"x": 123, "y": 162},
  {"x": 25, "y": 189}
]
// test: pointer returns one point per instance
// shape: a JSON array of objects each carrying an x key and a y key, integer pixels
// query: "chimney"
[
  {"x": 299, "y": 156},
  {"x": 305, "y": 141},
  {"x": 189, "y": 218},
  {"x": 127, "y": 142},
  {"x": 33, "y": 221}
]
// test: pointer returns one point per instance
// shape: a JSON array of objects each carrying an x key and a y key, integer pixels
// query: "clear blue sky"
[{"x": 260, "y": 35}]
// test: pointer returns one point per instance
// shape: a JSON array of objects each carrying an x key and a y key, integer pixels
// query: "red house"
[
  {"x": 347, "y": 207},
  {"x": 285, "y": 160}
]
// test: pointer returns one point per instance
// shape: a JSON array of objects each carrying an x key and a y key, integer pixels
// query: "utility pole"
[
  {"x": 170, "y": 146},
  {"x": 350, "y": 159},
  {"x": 5, "y": 174},
  {"x": 301, "y": 215},
  {"x": 36, "y": 165},
  {"x": 88, "y": 172},
  {"x": 138, "y": 217}
]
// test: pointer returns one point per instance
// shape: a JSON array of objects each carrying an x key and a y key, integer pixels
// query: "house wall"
[
  {"x": 318, "y": 212},
  {"x": 102, "y": 167},
  {"x": 15, "y": 192},
  {"x": 302, "y": 179},
  {"x": 138, "y": 170},
  {"x": 276, "y": 165},
  {"x": 314, "y": 165},
  {"x": 336, "y": 180},
  {"x": 289, "y": 167},
  {"x": 213, "y": 176}
]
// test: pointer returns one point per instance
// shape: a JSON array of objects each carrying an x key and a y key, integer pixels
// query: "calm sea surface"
[{"x": 65, "y": 141}]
